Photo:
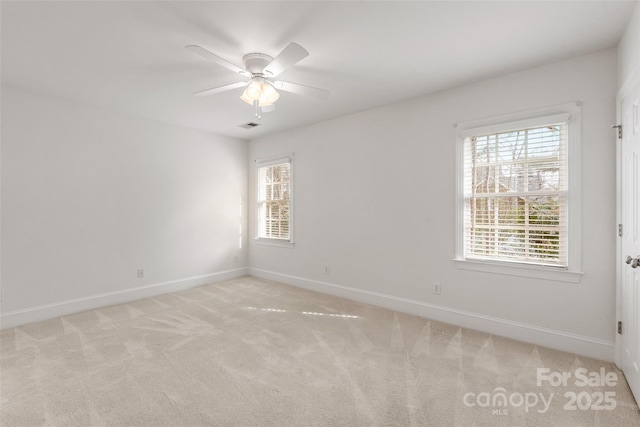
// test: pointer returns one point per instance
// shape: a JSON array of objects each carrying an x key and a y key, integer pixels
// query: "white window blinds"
[
  {"x": 274, "y": 200},
  {"x": 515, "y": 194}
]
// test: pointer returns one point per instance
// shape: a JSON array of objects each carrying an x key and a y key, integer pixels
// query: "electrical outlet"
[
  {"x": 140, "y": 273},
  {"x": 437, "y": 288},
  {"x": 326, "y": 269}
]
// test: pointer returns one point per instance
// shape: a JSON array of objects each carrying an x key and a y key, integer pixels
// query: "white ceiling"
[{"x": 130, "y": 56}]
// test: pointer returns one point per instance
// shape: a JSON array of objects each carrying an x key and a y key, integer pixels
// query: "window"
[
  {"x": 514, "y": 195},
  {"x": 274, "y": 200},
  {"x": 516, "y": 205}
]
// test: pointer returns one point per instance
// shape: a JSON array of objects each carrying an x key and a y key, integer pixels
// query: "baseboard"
[
  {"x": 559, "y": 340},
  {"x": 50, "y": 311}
]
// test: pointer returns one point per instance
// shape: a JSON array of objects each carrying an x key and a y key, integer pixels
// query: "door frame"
[{"x": 631, "y": 81}]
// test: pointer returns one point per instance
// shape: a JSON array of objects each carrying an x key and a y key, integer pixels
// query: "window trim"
[
  {"x": 573, "y": 271},
  {"x": 272, "y": 241}
]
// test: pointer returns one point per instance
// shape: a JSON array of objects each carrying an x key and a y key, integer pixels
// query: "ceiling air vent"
[{"x": 249, "y": 125}]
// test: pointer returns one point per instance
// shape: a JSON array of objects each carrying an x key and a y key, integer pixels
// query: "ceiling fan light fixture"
[
  {"x": 269, "y": 95},
  {"x": 253, "y": 90},
  {"x": 261, "y": 91}
]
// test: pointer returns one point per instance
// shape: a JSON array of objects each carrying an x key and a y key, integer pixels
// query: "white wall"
[
  {"x": 374, "y": 201},
  {"x": 89, "y": 196},
  {"x": 629, "y": 48}
]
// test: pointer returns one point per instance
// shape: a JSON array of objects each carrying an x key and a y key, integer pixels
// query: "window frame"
[
  {"x": 537, "y": 117},
  {"x": 274, "y": 241}
]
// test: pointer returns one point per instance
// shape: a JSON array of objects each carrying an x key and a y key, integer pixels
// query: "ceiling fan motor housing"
[{"x": 256, "y": 62}]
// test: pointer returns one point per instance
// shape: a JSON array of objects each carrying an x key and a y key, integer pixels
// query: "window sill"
[
  {"x": 274, "y": 242},
  {"x": 520, "y": 270}
]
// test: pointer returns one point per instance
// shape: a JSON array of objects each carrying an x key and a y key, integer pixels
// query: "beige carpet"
[{"x": 249, "y": 352}]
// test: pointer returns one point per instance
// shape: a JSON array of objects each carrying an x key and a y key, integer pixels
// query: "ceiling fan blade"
[
  {"x": 310, "y": 91},
  {"x": 285, "y": 59},
  {"x": 220, "y": 89},
  {"x": 204, "y": 53}
]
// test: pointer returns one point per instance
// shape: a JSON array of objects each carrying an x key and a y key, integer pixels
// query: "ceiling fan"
[{"x": 261, "y": 69}]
